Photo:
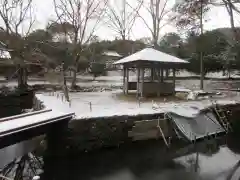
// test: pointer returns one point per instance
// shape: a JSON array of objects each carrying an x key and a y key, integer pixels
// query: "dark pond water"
[
  {"x": 149, "y": 163},
  {"x": 139, "y": 162}
]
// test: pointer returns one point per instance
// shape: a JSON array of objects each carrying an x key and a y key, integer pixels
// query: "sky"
[{"x": 216, "y": 18}]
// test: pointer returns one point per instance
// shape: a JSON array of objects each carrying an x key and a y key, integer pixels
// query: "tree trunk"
[
  {"x": 155, "y": 43},
  {"x": 201, "y": 53},
  {"x": 65, "y": 88},
  {"x": 74, "y": 78},
  {"x": 75, "y": 69}
]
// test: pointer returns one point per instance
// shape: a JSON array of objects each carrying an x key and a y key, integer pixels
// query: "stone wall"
[
  {"x": 87, "y": 135},
  {"x": 96, "y": 133}
]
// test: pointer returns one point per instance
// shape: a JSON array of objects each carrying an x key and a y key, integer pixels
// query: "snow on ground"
[
  {"x": 118, "y": 75},
  {"x": 106, "y": 104},
  {"x": 115, "y": 78}
]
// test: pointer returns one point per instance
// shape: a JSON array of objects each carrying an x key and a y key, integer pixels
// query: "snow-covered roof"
[
  {"x": 150, "y": 54},
  {"x": 111, "y": 53}
]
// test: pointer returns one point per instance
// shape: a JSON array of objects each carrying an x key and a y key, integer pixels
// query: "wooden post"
[
  {"x": 162, "y": 75},
  {"x": 142, "y": 81},
  {"x": 161, "y": 131},
  {"x": 56, "y": 149},
  {"x": 124, "y": 77},
  {"x": 152, "y": 74},
  {"x": 159, "y": 80},
  {"x": 138, "y": 80},
  {"x": 196, "y": 162},
  {"x": 174, "y": 78},
  {"x": 127, "y": 80},
  {"x": 166, "y": 73}
]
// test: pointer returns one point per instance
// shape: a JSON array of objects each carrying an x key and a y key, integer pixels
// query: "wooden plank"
[
  {"x": 24, "y": 115},
  {"x": 153, "y": 134},
  {"x": 148, "y": 129},
  {"x": 160, "y": 129}
]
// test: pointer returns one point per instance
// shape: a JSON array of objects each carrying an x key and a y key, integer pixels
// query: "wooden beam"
[{"x": 161, "y": 131}]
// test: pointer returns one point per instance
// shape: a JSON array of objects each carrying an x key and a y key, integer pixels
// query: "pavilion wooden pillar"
[
  {"x": 138, "y": 81},
  {"x": 166, "y": 73},
  {"x": 174, "y": 78},
  {"x": 162, "y": 75},
  {"x": 124, "y": 79},
  {"x": 152, "y": 74},
  {"x": 159, "y": 80},
  {"x": 142, "y": 82},
  {"x": 127, "y": 80}
]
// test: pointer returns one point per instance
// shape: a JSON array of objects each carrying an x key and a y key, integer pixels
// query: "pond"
[
  {"x": 140, "y": 162},
  {"x": 148, "y": 163}
]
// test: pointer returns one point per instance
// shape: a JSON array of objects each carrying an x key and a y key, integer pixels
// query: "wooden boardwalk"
[{"x": 25, "y": 126}]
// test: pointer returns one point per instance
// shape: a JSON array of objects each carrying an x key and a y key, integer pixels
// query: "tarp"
[{"x": 200, "y": 126}]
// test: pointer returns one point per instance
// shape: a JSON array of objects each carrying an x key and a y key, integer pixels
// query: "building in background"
[{"x": 110, "y": 57}]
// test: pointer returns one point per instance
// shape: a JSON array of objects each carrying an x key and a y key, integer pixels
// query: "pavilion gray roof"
[
  {"x": 111, "y": 53},
  {"x": 151, "y": 55}
]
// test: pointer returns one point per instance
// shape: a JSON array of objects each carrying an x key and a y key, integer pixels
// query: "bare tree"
[
  {"x": 18, "y": 19},
  {"x": 121, "y": 17},
  {"x": 231, "y": 7},
  {"x": 84, "y": 16},
  {"x": 160, "y": 14},
  {"x": 191, "y": 15}
]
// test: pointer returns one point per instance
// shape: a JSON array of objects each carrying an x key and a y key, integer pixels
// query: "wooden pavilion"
[{"x": 158, "y": 63}]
